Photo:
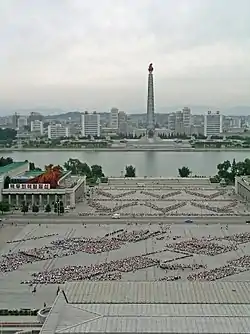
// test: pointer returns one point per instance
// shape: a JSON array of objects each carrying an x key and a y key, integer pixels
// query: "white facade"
[
  {"x": 22, "y": 121},
  {"x": 212, "y": 124},
  {"x": 90, "y": 124},
  {"x": 36, "y": 126},
  {"x": 114, "y": 118},
  {"x": 122, "y": 122},
  {"x": 56, "y": 131},
  {"x": 180, "y": 121}
]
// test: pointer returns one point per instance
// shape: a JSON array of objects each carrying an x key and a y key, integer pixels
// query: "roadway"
[{"x": 73, "y": 219}]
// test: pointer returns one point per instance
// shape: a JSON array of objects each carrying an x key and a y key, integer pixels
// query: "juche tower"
[{"x": 150, "y": 104}]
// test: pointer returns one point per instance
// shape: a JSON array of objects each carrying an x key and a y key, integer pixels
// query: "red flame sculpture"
[
  {"x": 50, "y": 176},
  {"x": 150, "y": 68}
]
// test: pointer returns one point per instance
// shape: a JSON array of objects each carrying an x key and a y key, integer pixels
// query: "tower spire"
[{"x": 150, "y": 103}]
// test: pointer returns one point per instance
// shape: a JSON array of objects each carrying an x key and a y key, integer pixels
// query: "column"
[
  {"x": 48, "y": 202},
  {"x": 17, "y": 200},
  {"x": 9, "y": 199},
  {"x": 40, "y": 200},
  {"x": 32, "y": 199},
  {"x": 25, "y": 198}
]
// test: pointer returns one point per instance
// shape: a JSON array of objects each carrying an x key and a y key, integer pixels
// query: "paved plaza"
[
  {"x": 126, "y": 252},
  {"x": 167, "y": 201}
]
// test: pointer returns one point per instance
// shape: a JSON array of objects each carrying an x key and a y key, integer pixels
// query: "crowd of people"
[
  {"x": 203, "y": 246},
  {"x": 225, "y": 209},
  {"x": 216, "y": 273},
  {"x": 241, "y": 262},
  {"x": 240, "y": 238},
  {"x": 182, "y": 266},
  {"x": 61, "y": 247},
  {"x": 32, "y": 238},
  {"x": 111, "y": 196},
  {"x": 170, "y": 278},
  {"x": 98, "y": 205},
  {"x": 72, "y": 245},
  {"x": 101, "y": 271},
  {"x": 202, "y": 195}
]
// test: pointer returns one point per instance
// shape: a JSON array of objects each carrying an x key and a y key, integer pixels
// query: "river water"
[{"x": 147, "y": 163}]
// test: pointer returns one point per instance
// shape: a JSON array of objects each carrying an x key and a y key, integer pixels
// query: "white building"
[
  {"x": 70, "y": 188},
  {"x": 90, "y": 124},
  {"x": 212, "y": 124},
  {"x": 22, "y": 121},
  {"x": 56, "y": 131},
  {"x": 114, "y": 118},
  {"x": 36, "y": 126},
  {"x": 180, "y": 121},
  {"x": 122, "y": 122},
  {"x": 186, "y": 112}
]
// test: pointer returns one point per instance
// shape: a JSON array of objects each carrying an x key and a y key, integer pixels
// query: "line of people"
[{"x": 32, "y": 238}]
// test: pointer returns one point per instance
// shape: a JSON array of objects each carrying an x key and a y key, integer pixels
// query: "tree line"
[{"x": 226, "y": 172}]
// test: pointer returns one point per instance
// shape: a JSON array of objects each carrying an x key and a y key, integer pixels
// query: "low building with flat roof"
[
  {"x": 150, "y": 307},
  {"x": 32, "y": 188},
  {"x": 242, "y": 187}
]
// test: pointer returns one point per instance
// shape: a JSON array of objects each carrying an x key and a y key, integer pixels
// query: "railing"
[{"x": 42, "y": 314}]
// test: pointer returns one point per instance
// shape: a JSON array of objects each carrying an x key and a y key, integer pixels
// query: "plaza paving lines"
[{"x": 10, "y": 283}]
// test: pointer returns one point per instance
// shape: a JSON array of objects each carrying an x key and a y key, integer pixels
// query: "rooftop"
[
  {"x": 14, "y": 165},
  {"x": 126, "y": 307},
  {"x": 158, "y": 292}
]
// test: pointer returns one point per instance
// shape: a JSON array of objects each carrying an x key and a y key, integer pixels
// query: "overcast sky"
[{"x": 95, "y": 54}]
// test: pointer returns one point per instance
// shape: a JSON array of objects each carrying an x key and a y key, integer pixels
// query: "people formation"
[
  {"x": 107, "y": 202},
  {"x": 32, "y": 238},
  {"x": 181, "y": 266}
]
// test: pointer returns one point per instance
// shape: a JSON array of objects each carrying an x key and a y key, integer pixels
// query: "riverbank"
[{"x": 125, "y": 149}]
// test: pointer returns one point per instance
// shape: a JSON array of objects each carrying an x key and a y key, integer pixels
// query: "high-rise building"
[
  {"x": 150, "y": 103},
  {"x": 15, "y": 120},
  {"x": 90, "y": 124},
  {"x": 56, "y": 131},
  {"x": 171, "y": 121},
  {"x": 212, "y": 124},
  {"x": 179, "y": 128},
  {"x": 36, "y": 126},
  {"x": 114, "y": 118},
  {"x": 122, "y": 123},
  {"x": 180, "y": 121},
  {"x": 186, "y": 112},
  {"x": 22, "y": 121}
]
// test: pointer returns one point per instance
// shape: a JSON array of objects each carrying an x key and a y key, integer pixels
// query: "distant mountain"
[
  {"x": 54, "y": 113},
  {"x": 71, "y": 115}
]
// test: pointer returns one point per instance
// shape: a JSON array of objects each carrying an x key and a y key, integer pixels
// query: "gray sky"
[{"x": 94, "y": 54}]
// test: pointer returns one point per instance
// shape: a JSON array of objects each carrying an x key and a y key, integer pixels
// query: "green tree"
[
  {"x": 97, "y": 171},
  {"x": 7, "y": 134},
  {"x": 48, "y": 208},
  {"x": 4, "y": 207},
  {"x": 224, "y": 170},
  {"x": 35, "y": 208},
  {"x": 130, "y": 171},
  {"x": 6, "y": 183},
  {"x": 24, "y": 208},
  {"x": 5, "y": 161},
  {"x": 228, "y": 171},
  {"x": 78, "y": 168},
  {"x": 184, "y": 171}
]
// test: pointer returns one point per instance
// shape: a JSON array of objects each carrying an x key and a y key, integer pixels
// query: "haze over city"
[{"x": 94, "y": 55}]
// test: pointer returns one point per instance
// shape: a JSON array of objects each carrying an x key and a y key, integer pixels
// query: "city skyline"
[{"x": 67, "y": 54}]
